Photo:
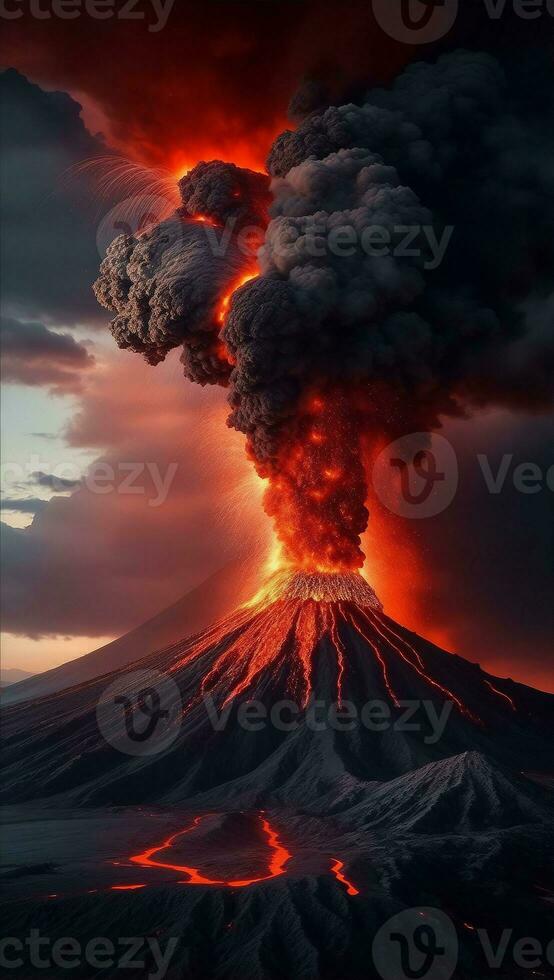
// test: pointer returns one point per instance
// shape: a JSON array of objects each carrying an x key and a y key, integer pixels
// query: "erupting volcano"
[
  {"x": 318, "y": 762},
  {"x": 295, "y": 618}
]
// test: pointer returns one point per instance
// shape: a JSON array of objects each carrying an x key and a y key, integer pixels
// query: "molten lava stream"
[
  {"x": 336, "y": 868},
  {"x": 278, "y": 859},
  {"x": 500, "y": 694},
  {"x": 126, "y": 888},
  {"x": 418, "y": 669},
  {"x": 390, "y": 690}
]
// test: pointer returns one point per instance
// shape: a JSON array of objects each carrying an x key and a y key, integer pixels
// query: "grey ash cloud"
[
  {"x": 458, "y": 144},
  {"x": 166, "y": 285},
  {"x": 471, "y": 143},
  {"x": 36, "y": 356}
]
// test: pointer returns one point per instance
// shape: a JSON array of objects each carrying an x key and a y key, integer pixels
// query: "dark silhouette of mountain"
[
  {"x": 12, "y": 675},
  {"x": 209, "y": 601},
  {"x": 446, "y": 706}
]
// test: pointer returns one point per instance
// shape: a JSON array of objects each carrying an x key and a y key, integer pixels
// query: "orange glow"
[
  {"x": 297, "y": 615},
  {"x": 205, "y": 220},
  {"x": 225, "y": 302},
  {"x": 336, "y": 868},
  {"x": 501, "y": 694},
  {"x": 317, "y": 488},
  {"x": 241, "y": 152},
  {"x": 126, "y": 888},
  {"x": 279, "y": 857}
]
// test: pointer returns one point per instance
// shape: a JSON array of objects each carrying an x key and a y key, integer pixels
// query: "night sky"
[{"x": 215, "y": 82}]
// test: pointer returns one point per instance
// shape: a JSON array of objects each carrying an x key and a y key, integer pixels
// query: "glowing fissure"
[
  {"x": 337, "y": 869},
  {"x": 126, "y": 888},
  {"x": 379, "y": 658},
  {"x": 500, "y": 694},
  {"x": 341, "y": 652},
  {"x": 422, "y": 673},
  {"x": 279, "y": 857}
]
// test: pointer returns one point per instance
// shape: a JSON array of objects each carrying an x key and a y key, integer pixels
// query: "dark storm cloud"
[
  {"x": 49, "y": 254},
  {"x": 36, "y": 356}
]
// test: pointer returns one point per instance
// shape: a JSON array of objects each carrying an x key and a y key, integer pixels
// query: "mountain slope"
[
  {"x": 435, "y": 706},
  {"x": 282, "y": 850},
  {"x": 209, "y": 601}
]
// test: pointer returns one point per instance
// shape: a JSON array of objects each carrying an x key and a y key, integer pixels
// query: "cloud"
[
  {"x": 56, "y": 483},
  {"x": 170, "y": 499},
  {"x": 49, "y": 253},
  {"x": 36, "y": 356},
  {"x": 23, "y": 505}
]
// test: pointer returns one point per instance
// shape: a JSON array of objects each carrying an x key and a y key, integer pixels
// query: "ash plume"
[
  {"x": 166, "y": 285},
  {"x": 337, "y": 343}
]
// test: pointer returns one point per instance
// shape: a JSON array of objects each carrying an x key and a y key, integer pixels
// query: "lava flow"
[
  {"x": 337, "y": 869},
  {"x": 279, "y": 857},
  {"x": 296, "y": 619},
  {"x": 293, "y": 621}
]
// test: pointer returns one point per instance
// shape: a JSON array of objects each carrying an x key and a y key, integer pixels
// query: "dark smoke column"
[{"x": 347, "y": 336}]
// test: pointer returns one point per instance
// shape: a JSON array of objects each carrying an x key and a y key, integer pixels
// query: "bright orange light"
[
  {"x": 126, "y": 888},
  {"x": 298, "y": 615},
  {"x": 279, "y": 857},
  {"x": 336, "y": 868},
  {"x": 225, "y": 302}
]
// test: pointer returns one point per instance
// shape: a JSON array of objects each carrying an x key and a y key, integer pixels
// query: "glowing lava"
[
  {"x": 226, "y": 300},
  {"x": 126, "y": 888},
  {"x": 297, "y": 618},
  {"x": 317, "y": 486},
  {"x": 336, "y": 868},
  {"x": 279, "y": 857}
]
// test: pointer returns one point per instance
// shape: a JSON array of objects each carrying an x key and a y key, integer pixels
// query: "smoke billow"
[
  {"x": 166, "y": 285},
  {"x": 405, "y": 274}
]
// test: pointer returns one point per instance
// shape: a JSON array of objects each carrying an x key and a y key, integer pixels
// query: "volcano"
[{"x": 319, "y": 762}]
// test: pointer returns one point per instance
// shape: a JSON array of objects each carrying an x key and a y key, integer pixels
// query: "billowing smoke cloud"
[
  {"x": 474, "y": 152},
  {"x": 405, "y": 275},
  {"x": 167, "y": 285}
]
